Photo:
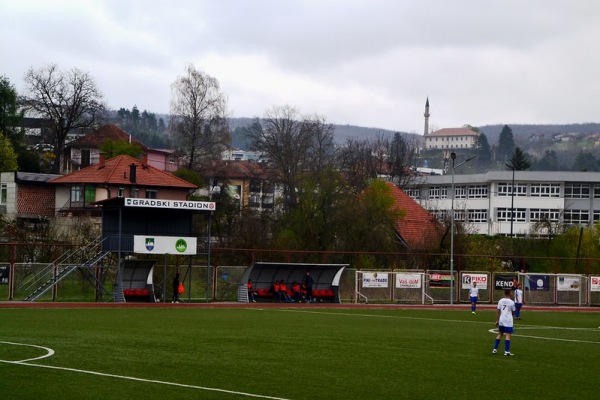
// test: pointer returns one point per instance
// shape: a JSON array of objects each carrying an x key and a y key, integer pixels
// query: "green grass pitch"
[{"x": 293, "y": 353}]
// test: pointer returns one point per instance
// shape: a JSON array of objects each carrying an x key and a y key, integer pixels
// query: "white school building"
[{"x": 541, "y": 199}]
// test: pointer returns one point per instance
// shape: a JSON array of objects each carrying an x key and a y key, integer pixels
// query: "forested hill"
[
  {"x": 342, "y": 132},
  {"x": 521, "y": 132}
]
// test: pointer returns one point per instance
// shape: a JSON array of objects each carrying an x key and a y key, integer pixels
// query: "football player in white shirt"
[
  {"x": 504, "y": 322},
  {"x": 518, "y": 301},
  {"x": 473, "y": 295}
]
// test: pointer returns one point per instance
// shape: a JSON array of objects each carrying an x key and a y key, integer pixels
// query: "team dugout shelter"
[{"x": 264, "y": 275}]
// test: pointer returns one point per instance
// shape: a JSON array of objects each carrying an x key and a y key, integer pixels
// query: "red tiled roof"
[
  {"x": 232, "y": 169},
  {"x": 116, "y": 171},
  {"x": 95, "y": 138},
  {"x": 454, "y": 132},
  {"x": 418, "y": 228}
]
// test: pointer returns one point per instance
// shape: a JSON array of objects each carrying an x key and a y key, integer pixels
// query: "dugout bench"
[
  {"x": 264, "y": 274},
  {"x": 137, "y": 278}
]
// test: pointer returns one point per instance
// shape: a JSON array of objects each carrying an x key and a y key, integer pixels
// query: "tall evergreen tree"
[
  {"x": 135, "y": 117},
  {"x": 10, "y": 123},
  {"x": 9, "y": 115},
  {"x": 506, "y": 145},
  {"x": 519, "y": 161},
  {"x": 548, "y": 162},
  {"x": 585, "y": 161},
  {"x": 483, "y": 151},
  {"x": 124, "y": 117}
]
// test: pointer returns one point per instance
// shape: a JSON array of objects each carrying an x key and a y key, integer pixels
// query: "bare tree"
[
  {"x": 198, "y": 116},
  {"x": 402, "y": 158},
  {"x": 69, "y": 99},
  {"x": 357, "y": 163},
  {"x": 321, "y": 153},
  {"x": 364, "y": 159},
  {"x": 293, "y": 145}
]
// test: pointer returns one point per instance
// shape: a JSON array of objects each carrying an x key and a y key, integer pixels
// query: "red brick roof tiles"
[
  {"x": 232, "y": 169},
  {"x": 95, "y": 138},
  {"x": 453, "y": 132},
  {"x": 116, "y": 171},
  {"x": 418, "y": 228}
]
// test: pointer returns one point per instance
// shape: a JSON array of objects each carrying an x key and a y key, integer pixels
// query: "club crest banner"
[
  {"x": 538, "y": 282},
  {"x": 164, "y": 245}
]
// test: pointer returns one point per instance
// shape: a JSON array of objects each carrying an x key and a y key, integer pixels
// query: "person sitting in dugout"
[
  {"x": 284, "y": 293},
  {"x": 276, "y": 290},
  {"x": 297, "y": 292}
]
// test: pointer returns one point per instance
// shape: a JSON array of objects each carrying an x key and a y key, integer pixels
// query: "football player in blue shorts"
[
  {"x": 473, "y": 296},
  {"x": 518, "y": 301},
  {"x": 504, "y": 321}
]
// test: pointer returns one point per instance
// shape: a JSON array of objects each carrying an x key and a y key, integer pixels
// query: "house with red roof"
[
  {"x": 451, "y": 138},
  {"x": 85, "y": 150},
  {"x": 418, "y": 230},
  {"x": 245, "y": 181},
  {"x": 121, "y": 176}
]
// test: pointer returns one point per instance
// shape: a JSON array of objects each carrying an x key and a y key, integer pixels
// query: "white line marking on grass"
[
  {"x": 49, "y": 352},
  {"x": 462, "y": 321},
  {"x": 564, "y": 328},
  {"x": 438, "y": 319},
  {"x": 495, "y": 331},
  {"x": 129, "y": 378}
]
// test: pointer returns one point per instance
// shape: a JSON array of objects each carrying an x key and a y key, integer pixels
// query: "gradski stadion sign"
[{"x": 173, "y": 204}]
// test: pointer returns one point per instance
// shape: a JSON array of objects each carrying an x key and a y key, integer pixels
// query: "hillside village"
[
  {"x": 287, "y": 182},
  {"x": 247, "y": 182},
  {"x": 264, "y": 173}
]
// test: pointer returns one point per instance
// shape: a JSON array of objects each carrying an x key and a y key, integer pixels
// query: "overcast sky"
[{"x": 368, "y": 63}]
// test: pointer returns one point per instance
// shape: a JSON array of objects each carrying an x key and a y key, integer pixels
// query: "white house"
[{"x": 450, "y": 138}]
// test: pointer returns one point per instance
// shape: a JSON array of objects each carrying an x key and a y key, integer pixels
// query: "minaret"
[{"x": 426, "y": 117}]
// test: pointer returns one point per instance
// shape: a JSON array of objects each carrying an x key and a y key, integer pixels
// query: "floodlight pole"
[{"x": 453, "y": 157}]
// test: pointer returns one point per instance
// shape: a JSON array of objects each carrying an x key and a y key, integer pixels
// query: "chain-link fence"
[{"x": 221, "y": 280}]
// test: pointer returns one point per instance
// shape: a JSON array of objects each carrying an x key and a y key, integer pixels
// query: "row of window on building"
[
  {"x": 571, "y": 190},
  {"x": 450, "y": 138},
  {"x": 531, "y": 215}
]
